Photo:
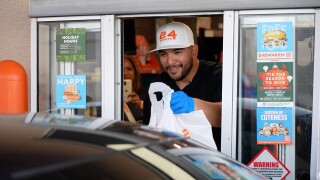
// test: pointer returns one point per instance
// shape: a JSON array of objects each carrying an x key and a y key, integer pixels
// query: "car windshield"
[
  {"x": 214, "y": 164},
  {"x": 55, "y": 118}
]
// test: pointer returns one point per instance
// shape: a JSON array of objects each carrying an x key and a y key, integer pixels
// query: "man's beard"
[{"x": 185, "y": 71}]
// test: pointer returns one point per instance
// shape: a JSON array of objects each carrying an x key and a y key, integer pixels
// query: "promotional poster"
[
  {"x": 274, "y": 126},
  {"x": 275, "y": 82},
  {"x": 274, "y": 40},
  {"x": 71, "y": 91}
]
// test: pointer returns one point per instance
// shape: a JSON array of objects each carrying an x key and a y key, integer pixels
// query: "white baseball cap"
[{"x": 174, "y": 35}]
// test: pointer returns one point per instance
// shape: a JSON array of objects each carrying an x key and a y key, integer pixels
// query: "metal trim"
[
  {"x": 108, "y": 67},
  {"x": 73, "y": 18},
  {"x": 34, "y": 66},
  {"x": 50, "y": 8},
  {"x": 118, "y": 68},
  {"x": 235, "y": 82},
  {"x": 228, "y": 120},
  {"x": 315, "y": 137},
  {"x": 170, "y": 14},
  {"x": 277, "y": 11}
]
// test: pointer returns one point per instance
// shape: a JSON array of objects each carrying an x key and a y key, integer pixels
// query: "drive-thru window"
[{"x": 270, "y": 100}]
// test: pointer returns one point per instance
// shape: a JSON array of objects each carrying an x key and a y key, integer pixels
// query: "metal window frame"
[
  {"x": 227, "y": 133},
  {"x": 315, "y": 137},
  {"x": 229, "y": 79},
  {"x": 107, "y": 61},
  {"x": 34, "y": 65},
  {"x": 108, "y": 68}
]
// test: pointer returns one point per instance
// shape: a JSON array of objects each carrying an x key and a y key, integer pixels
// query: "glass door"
[
  {"x": 275, "y": 89},
  {"x": 69, "y": 66}
]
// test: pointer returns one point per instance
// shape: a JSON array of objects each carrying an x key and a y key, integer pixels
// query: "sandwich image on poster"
[
  {"x": 71, "y": 91},
  {"x": 274, "y": 126},
  {"x": 275, "y": 40}
]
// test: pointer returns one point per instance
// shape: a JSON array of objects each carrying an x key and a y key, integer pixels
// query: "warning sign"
[{"x": 268, "y": 165}]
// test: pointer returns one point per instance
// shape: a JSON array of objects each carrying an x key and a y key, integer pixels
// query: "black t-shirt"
[{"x": 206, "y": 85}]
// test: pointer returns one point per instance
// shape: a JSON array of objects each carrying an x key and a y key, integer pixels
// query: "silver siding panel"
[{"x": 47, "y": 8}]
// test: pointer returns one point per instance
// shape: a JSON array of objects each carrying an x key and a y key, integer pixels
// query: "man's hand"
[{"x": 181, "y": 103}]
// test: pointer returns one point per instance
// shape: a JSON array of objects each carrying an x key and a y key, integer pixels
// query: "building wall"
[{"x": 15, "y": 34}]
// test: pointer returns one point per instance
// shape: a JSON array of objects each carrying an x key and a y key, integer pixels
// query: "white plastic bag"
[{"x": 194, "y": 124}]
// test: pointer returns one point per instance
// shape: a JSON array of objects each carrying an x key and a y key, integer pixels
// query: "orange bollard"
[{"x": 13, "y": 88}]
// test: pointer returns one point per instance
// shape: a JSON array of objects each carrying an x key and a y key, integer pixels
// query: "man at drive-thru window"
[{"x": 197, "y": 84}]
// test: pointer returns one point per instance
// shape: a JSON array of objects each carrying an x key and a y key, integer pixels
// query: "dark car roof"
[{"x": 41, "y": 146}]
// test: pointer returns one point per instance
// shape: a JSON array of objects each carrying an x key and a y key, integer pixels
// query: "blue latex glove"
[{"x": 181, "y": 103}]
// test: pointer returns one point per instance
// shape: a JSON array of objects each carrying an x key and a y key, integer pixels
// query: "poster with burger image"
[
  {"x": 71, "y": 91},
  {"x": 274, "y": 40}
]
